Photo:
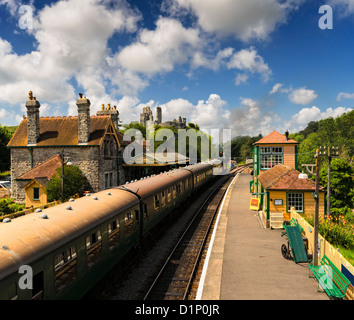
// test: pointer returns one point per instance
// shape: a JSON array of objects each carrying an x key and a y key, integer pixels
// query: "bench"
[{"x": 329, "y": 278}]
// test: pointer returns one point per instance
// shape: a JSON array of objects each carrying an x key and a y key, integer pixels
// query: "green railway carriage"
[{"x": 69, "y": 247}]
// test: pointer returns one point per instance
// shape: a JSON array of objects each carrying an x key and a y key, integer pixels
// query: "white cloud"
[
  {"x": 200, "y": 59},
  {"x": 71, "y": 43},
  {"x": 300, "y": 120},
  {"x": 3, "y": 113},
  {"x": 251, "y": 118},
  {"x": 278, "y": 87},
  {"x": 161, "y": 49},
  {"x": 241, "y": 78},
  {"x": 246, "y": 20},
  {"x": 302, "y": 96},
  {"x": 344, "y": 95},
  {"x": 345, "y": 7},
  {"x": 249, "y": 61}
]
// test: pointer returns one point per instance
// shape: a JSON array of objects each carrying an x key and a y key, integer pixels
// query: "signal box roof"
[{"x": 275, "y": 138}]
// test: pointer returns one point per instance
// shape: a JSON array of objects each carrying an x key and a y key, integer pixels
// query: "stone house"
[{"x": 93, "y": 143}]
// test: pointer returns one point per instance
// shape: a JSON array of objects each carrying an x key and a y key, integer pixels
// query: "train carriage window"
[
  {"x": 136, "y": 216},
  {"x": 129, "y": 223},
  {"x": 113, "y": 234},
  {"x": 163, "y": 198},
  {"x": 38, "y": 286},
  {"x": 156, "y": 202},
  {"x": 94, "y": 248},
  {"x": 145, "y": 210},
  {"x": 168, "y": 194},
  {"x": 65, "y": 268},
  {"x": 174, "y": 192}
]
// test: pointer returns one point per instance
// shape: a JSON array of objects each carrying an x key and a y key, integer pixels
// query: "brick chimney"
[
  {"x": 113, "y": 112},
  {"x": 83, "y": 108},
  {"x": 32, "y": 106}
]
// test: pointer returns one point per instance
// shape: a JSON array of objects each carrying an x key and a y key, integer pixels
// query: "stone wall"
[
  {"x": 87, "y": 159},
  {"x": 20, "y": 163}
]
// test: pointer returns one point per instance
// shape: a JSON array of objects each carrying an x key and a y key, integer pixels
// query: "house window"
[
  {"x": 295, "y": 200},
  {"x": 36, "y": 193},
  {"x": 271, "y": 156}
]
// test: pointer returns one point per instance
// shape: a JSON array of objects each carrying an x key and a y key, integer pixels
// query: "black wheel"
[{"x": 284, "y": 251}]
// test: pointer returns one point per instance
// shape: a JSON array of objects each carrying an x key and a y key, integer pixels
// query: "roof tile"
[
  {"x": 282, "y": 177},
  {"x": 275, "y": 137}
]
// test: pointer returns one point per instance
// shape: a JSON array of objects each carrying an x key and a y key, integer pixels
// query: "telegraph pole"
[
  {"x": 331, "y": 152},
  {"x": 315, "y": 223}
]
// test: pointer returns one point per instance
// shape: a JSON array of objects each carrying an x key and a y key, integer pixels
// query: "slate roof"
[
  {"x": 275, "y": 137},
  {"x": 45, "y": 169},
  {"x": 282, "y": 177},
  {"x": 63, "y": 131}
]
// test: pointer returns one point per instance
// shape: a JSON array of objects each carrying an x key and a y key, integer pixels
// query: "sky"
[{"x": 252, "y": 66}]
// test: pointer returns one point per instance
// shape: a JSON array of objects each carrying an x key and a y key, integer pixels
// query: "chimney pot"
[
  {"x": 84, "y": 120},
  {"x": 287, "y": 135},
  {"x": 33, "y": 130}
]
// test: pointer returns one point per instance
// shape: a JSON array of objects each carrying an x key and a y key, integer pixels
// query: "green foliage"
[
  {"x": 241, "y": 147},
  {"x": 135, "y": 125},
  {"x": 5, "y": 137},
  {"x": 307, "y": 149},
  {"x": 7, "y": 206},
  {"x": 342, "y": 183},
  {"x": 74, "y": 181},
  {"x": 337, "y": 230},
  {"x": 328, "y": 132}
]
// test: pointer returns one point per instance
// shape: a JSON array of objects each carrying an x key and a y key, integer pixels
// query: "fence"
[
  {"x": 28, "y": 210},
  {"x": 325, "y": 248}
]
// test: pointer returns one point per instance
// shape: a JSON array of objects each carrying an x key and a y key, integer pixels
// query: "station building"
[
  {"x": 277, "y": 183},
  {"x": 93, "y": 143}
]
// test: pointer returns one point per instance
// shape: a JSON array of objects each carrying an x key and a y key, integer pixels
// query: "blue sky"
[{"x": 250, "y": 65}]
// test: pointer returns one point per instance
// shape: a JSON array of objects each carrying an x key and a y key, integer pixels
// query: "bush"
[
  {"x": 8, "y": 205},
  {"x": 74, "y": 181},
  {"x": 337, "y": 230}
]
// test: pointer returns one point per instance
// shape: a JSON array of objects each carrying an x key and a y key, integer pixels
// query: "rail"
[{"x": 185, "y": 256}]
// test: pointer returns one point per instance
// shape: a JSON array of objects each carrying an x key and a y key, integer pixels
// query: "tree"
[
  {"x": 307, "y": 149},
  {"x": 135, "y": 125},
  {"x": 342, "y": 183},
  {"x": 5, "y": 137},
  {"x": 74, "y": 181}
]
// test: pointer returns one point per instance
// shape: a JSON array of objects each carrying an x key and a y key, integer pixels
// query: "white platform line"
[{"x": 205, "y": 266}]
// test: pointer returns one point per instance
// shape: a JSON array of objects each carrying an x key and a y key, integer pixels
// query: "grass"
[
  {"x": 347, "y": 254},
  {"x": 4, "y": 174}
]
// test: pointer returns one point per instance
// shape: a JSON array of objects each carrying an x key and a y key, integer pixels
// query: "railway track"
[{"x": 175, "y": 278}]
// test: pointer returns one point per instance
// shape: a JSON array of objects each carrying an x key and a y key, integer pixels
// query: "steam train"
[{"x": 69, "y": 247}]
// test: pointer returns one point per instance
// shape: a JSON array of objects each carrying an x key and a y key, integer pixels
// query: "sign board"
[{"x": 254, "y": 205}]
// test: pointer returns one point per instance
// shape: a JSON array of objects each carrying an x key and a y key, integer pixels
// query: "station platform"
[{"x": 244, "y": 261}]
